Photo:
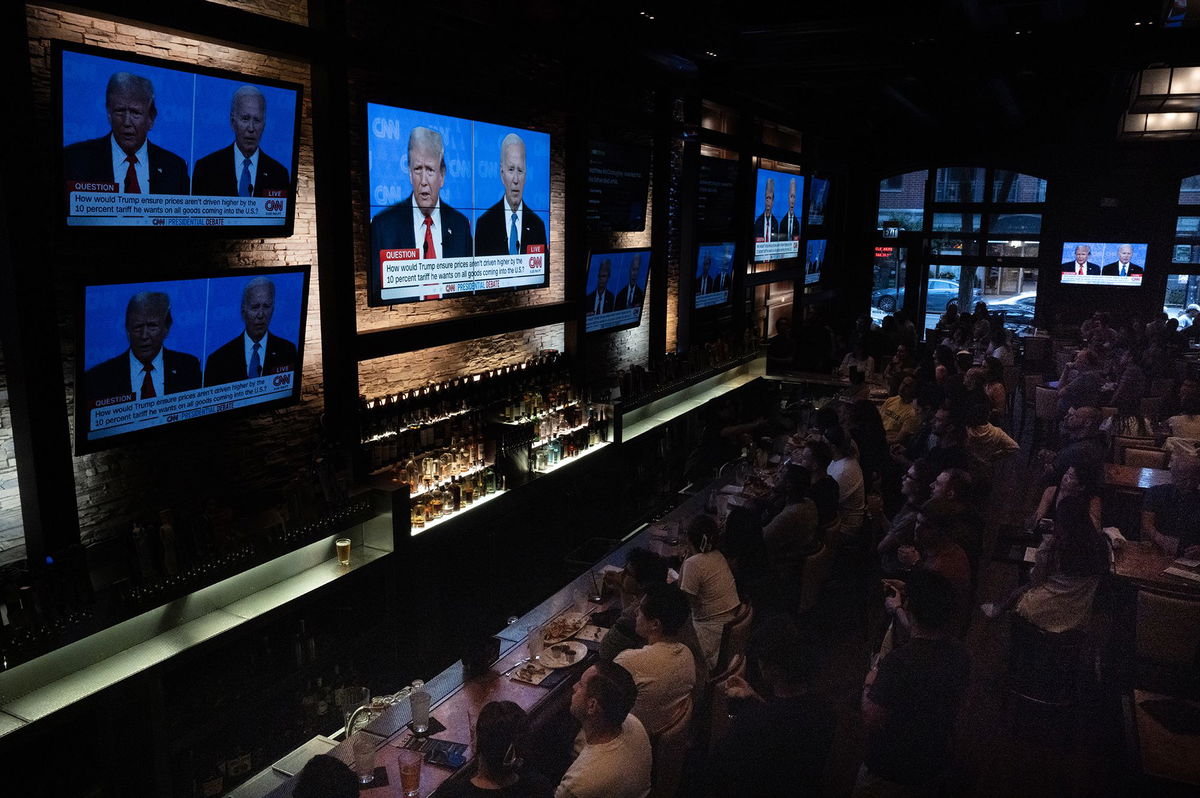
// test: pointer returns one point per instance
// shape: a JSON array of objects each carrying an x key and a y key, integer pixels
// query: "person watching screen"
[
  {"x": 1122, "y": 267},
  {"x": 631, "y": 295},
  {"x": 242, "y": 169},
  {"x": 615, "y": 759},
  {"x": 601, "y": 300},
  {"x": 1082, "y": 263},
  {"x": 125, "y": 156},
  {"x": 510, "y": 227},
  {"x": 256, "y": 351},
  {"x": 766, "y": 226},
  {"x": 147, "y": 368},
  {"x": 421, "y": 220},
  {"x": 500, "y": 730}
]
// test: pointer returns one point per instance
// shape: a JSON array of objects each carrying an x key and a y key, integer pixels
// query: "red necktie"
[
  {"x": 131, "y": 182},
  {"x": 148, "y": 391},
  {"x": 430, "y": 252}
]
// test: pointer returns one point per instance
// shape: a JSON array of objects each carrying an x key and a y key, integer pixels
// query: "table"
[
  {"x": 1123, "y": 477},
  {"x": 1160, "y": 753},
  {"x": 1141, "y": 563}
]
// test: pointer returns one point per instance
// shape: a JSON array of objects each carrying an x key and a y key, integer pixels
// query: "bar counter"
[{"x": 457, "y": 701}]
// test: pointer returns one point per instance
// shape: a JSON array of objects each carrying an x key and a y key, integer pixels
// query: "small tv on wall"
[
  {"x": 145, "y": 142},
  {"x": 162, "y": 353},
  {"x": 778, "y": 213},
  {"x": 714, "y": 274},
  {"x": 457, "y": 207},
  {"x": 814, "y": 260},
  {"x": 616, "y": 289},
  {"x": 1093, "y": 263}
]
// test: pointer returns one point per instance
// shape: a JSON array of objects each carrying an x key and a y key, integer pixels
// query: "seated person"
[
  {"x": 778, "y": 743},
  {"x": 851, "y": 485},
  {"x": 815, "y": 456},
  {"x": 499, "y": 731},
  {"x": 706, "y": 578},
  {"x": 746, "y": 552},
  {"x": 899, "y": 413},
  {"x": 857, "y": 358},
  {"x": 915, "y": 488},
  {"x": 936, "y": 551},
  {"x": 664, "y": 669},
  {"x": 326, "y": 776},
  {"x": 910, "y": 699},
  {"x": 1170, "y": 512},
  {"x": 1066, "y": 571},
  {"x": 1186, "y": 424},
  {"x": 643, "y": 568},
  {"x": 616, "y": 757},
  {"x": 793, "y": 534}
]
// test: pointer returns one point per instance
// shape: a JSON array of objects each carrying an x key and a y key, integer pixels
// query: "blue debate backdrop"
[{"x": 193, "y": 109}]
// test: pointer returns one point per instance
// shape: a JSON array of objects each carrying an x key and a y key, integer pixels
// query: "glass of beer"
[
  {"x": 410, "y": 772},
  {"x": 343, "y": 550}
]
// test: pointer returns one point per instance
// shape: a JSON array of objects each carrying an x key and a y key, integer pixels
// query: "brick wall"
[
  {"x": 12, "y": 540},
  {"x": 287, "y": 10},
  {"x": 242, "y": 462}
]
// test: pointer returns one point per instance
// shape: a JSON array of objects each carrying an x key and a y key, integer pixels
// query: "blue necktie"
[
  {"x": 255, "y": 369},
  {"x": 244, "y": 187},
  {"x": 513, "y": 243}
]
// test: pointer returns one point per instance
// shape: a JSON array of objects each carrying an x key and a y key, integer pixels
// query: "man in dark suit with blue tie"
[
  {"x": 445, "y": 233},
  {"x": 1122, "y": 267},
  {"x": 509, "y": 227},
  {"x": 789, "y": 225},
  {"x": 766, "y": 226},
  {"x": 256, "y": 351},
  {"x": 124, "y": 156},
  {"x": 147, "y": 369},
  {"x": 242, "y": 169},
  {"x": 632, "y": 294}
]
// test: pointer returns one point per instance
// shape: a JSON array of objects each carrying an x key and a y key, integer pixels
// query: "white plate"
[{"x": 553, "y": 659}]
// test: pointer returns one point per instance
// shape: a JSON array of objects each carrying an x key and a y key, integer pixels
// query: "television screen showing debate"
[
  {"x": 145, "y": 143},
  {"x": 714, "y": 273},
  {"x": 814, "y": 259},
  {"x": 817, "y": 194},
  {"x": 778, "y": 207},
  {"x": 1090, "y": 263},
  {"x": 616, "y": 289},
  {"x": 157, "y": 353},
  {"x": 457, "y": 207}
]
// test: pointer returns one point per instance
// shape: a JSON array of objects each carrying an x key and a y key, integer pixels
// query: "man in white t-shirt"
[
  {"x": 664, "y": 669},
  {"x": 849, "y": 476},
  {"x": 615, "y": 761}
]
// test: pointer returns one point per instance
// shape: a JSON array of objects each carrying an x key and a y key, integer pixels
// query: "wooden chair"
[
  {"x": 1167, "y": 642},
  {"x": 1122, "y": 442},
  {"x": 735, "y": 636},
  {"x": 1036, "y": 350},
  {"x": 718, "y": 703},
  {"x": 670, "y": 748},
  {"x": 1107, "y": 412},
  {"x": 1045, "y": 668},
  {"x": 1145, "y": 458}
]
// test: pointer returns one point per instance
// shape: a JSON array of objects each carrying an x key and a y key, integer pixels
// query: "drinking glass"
[
  {"x": 364, "y": 758},
  {"x": 580, "y": 598},
  {"x": 418, "y": 702},
  {"x": 410, "y": 772},
  {"x": 535, "y": 641},
  {"x": 343, "y": 550}
]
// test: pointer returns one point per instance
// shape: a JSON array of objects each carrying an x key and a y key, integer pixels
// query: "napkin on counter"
[{"x": 1115, "y": 538}]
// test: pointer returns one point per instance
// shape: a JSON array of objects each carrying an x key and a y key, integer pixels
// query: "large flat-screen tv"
[
  {"x": 151, "y": 143},
  {"x": 160, "y": 353},
  {"x": 814, "y": 260},
  {"x": 714, "y": 274},
  {"x": 616, "y": 289},
  {"x": 456, "y": 207},
  {"x": 778, "y": 210},
  {"x": 818, "y": 192},
  {"x": 617, "y": 185},
  {"x": 1091, "y": 263}
]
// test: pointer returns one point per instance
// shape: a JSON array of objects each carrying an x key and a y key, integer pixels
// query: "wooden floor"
[{"x": 1005, "y": 748}]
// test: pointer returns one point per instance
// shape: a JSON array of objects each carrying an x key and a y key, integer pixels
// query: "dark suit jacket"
[
  {"x": 609, "y": 304},
  {"x": 1092, "y": 268},
  {"x": 716, "y": 282},
  {"x": 111, "y": 378},
  {"x": 1113, "y": 269},
  {"x": 491, "y": 230},
  {"x": 795, "y": 227},
  {"x": 393, "y": 229},
  {"x": 214, "y": 175},
  {"x": 760, "y": 230},
  {"x": 639, "y": 295},
  {"x": 91, "y": 161},
  {"x": 228, "y": 362}
]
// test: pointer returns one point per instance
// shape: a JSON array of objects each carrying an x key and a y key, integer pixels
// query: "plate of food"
[
  {"x": 563, "y": 627},
  {"x": 564, "y": 655},
  {"x": 530, "y": 673}
]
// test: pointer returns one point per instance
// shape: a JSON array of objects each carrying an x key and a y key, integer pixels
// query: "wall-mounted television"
[
  {"x": 778, "y": 210},
  {"x": 714, "y": 273},
  {"x": 1092, "y": 263},
  {"x": 814, "y": 260},
  {"x": 160, "y": 353},
  {"x": 457, "y": 207},
  {"x": 818, "y": 192},
  {"x": 150, "y": 143},
  {"x": 615, "y": 289},
  {"x": 617, "y": 186}
]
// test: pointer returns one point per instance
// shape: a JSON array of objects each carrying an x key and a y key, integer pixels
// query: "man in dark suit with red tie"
[
  {"x": 256, "y": 352},
  {"x": 124, "y": 156},
  {"x": 766, "y": 226},
  {"x": 1081, "y": 264},
  {"x": 146, "y": 369},
  {"x": 242, "y": 169},
  {"x": 789, "y": 225}
]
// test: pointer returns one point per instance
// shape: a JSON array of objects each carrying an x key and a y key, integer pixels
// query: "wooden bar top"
[
  {"x": 1142, "y": 563},
  {"x": 1123, "y": 477}
]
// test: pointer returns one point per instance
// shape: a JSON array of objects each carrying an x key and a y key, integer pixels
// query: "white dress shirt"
[
  {"x": 419, "y": 228},
  {"x": 121, "y": 168},
  {"x": 237, "y": 168},
  {"x": 137, "y": 374}
]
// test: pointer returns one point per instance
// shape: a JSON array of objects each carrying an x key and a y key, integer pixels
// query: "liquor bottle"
[
  {"x": 468, "y": 490},
  {"x": 489, "y": 477},
  {"x": 455, "y": 493},
  {"x": 418, "y": 513}
]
